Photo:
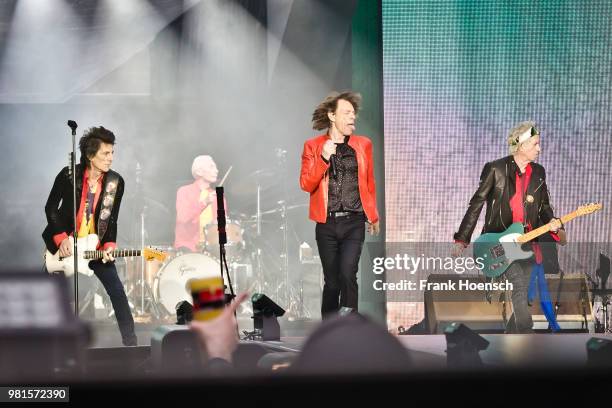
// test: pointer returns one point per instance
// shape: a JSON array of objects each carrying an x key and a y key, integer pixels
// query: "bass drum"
[{"x": 171, "y": 284}]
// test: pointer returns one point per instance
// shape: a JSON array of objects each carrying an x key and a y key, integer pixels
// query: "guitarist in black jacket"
[
  {"x": 514, "y": 189},
  {"x": 98, "y": 191}
]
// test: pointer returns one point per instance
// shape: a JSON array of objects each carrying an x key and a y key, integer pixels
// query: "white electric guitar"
[{"x": 87, "y": 252}]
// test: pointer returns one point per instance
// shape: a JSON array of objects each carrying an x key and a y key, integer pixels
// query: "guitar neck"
[
  {"x": 544, "y": 228},
  {"x": 118, "y": 253}
]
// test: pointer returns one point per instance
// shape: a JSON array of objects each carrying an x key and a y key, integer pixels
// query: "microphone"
[
  {"x": 221, "y": 216},
  {"x": 332, "y": 164},
  {"x": 73, "y": 125}
]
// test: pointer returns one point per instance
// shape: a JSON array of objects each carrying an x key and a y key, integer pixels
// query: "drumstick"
[{"x": 224, "y": 177}]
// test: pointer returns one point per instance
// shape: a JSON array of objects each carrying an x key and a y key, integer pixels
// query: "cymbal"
[
  {"x": 287, "y": 208},
  {"x": 247, "y": 185},
  {"x": 252, "y": 223},
  {"x": 139, "y": 200},
  {"x": 262, "y": 173},
  {"x": 245, "y": 219},
  {"x": 156, "y": 204}
]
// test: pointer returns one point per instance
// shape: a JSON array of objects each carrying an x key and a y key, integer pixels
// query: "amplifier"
[
  {"x": 469, "y": 307},
  {"x": 575, "y": 311}
]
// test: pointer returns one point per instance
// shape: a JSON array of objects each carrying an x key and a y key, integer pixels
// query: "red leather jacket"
[{"x": 314, "y": 177}]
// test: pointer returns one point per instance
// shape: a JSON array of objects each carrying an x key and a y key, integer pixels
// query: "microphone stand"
[
  {"x": 223, "y": 240},
  {"x": 142, "y": 234},
  {"x": 73, "y": 125}
]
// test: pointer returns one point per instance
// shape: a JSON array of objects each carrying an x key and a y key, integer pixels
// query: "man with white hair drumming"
[
  {"x": 196, "y": 204},
  {"x": 515, "y": 190}
]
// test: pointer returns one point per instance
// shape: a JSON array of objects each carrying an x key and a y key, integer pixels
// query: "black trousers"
[
  {"x": 340, "y": 241},
  {"x": 519, "y": 274},
  {"x": 107, "y": 273}
]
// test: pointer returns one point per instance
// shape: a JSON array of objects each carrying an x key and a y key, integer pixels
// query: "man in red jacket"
[{"x": 338, "y": 172}]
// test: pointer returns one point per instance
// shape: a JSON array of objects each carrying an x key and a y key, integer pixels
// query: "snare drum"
[
  {"x": 171, "y": 284},
  {"x": 235, "y": 243}
]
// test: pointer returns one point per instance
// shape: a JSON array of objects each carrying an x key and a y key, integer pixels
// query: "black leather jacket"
[
  {"x": 59, "y": 207},
  {"x": 497, "y": 186}
]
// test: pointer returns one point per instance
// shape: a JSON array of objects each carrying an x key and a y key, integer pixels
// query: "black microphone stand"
[
  {"x": 73, "y": 125},
  {"x": 222, "y": 242}
]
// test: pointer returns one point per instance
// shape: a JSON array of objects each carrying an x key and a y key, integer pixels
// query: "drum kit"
[
  {"x": 255, "y": 263},
  {"x": 164, "y": 284}
]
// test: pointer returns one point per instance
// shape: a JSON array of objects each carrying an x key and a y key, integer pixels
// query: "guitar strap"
[
  {"x": 523, "y": 187},
  {"x": 108, "y": 201}
]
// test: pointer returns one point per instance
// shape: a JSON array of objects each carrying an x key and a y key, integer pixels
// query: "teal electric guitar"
[{"x": 497, "y": 251}]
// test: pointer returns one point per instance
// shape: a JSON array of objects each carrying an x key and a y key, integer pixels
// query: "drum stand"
[
  {"x": 259, "y": 276},
  {"x": 89, "y": 300},
  {"x": 261, "y": 284},
  {"x": 280, "y": 286},
  {"x": 151, "y": 305},
  {"x": 294, "y": 299},
  {"x": 147, "y": 300},
  {"x": 245, "y": 308}
]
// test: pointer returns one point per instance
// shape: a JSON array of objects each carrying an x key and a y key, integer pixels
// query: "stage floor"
[
  {"x": 428, "y": 352},
  {"x": 106, "y": 333},
  {"x": 509, "y": 350}
]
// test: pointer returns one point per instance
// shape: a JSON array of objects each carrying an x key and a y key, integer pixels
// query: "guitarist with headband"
[
  {"x": 98, "y": 192},
  {"x": 514, "y": 189}
]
